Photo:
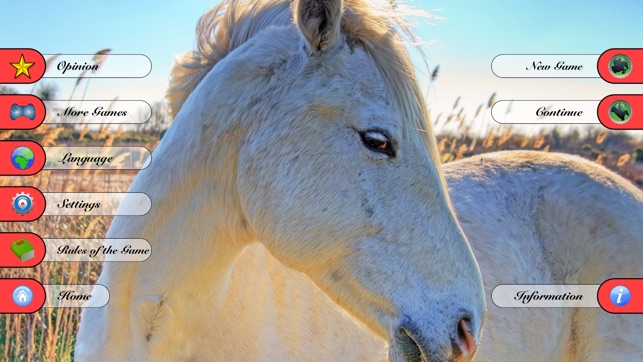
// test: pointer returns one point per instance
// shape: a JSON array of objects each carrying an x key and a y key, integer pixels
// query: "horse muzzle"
[{"x": 411, "y": 345}]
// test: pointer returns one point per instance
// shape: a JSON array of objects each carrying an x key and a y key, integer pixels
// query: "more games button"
[{"x": 21, "y": 111}]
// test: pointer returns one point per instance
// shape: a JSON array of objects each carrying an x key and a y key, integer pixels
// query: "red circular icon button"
[
  {"x": 21, "y": 250},
  {"x": 21, "y": 65},
  {"x": 621, "y": 65},
  {"x": 21, "y": 111},
  {"x": 622, "y": 295},
  {"x": 21, "y": 295},
  {"x": 21, "y": 203},
  {"x": 621, "y": 111},
  {"x": 21, "y": 158}
]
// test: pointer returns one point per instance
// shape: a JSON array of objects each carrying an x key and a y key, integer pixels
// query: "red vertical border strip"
[
  {"x": 7, "y": 196},
  {"x": 9, "y": 121},
  {"x": 635, "y": 120},
  {"x": 636, "y": 72},
  {"x": 7, "y": 168},
  {"x": 22, "y": 57},
  {"x": 8, "y": 259},
  {"x": 8, "y": 286},
  {"x": 635, "y": 287}
]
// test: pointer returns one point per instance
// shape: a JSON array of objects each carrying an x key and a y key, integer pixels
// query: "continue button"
[
  {"x": 621, "y": 296},
  {"x": 621, "y": 111}
]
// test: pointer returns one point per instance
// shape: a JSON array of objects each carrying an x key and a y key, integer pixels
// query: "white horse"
[{"x": 310, "y": 137}]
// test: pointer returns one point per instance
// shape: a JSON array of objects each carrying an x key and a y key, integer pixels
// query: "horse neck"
[
  {"x": 195, "y": 285},
  {"x": 194, "y": 227},
  {"x": 195, "y": 221}
]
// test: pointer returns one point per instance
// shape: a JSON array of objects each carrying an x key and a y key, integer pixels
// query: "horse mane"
[{"x": 379, "y": 27}]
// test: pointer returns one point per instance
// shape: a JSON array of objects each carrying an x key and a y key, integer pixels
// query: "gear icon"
[{"x": 22, "y": 203}]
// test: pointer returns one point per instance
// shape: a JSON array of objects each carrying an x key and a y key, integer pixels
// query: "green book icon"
[{"x": 23, "y": 249}]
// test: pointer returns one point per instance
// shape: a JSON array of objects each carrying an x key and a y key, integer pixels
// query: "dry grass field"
[{"x": 49, "y": 334}]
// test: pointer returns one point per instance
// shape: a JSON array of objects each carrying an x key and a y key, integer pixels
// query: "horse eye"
[{"x": 378, "y": 142}]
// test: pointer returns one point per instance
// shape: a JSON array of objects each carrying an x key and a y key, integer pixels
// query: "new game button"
[{"x": 621, "y": 65}]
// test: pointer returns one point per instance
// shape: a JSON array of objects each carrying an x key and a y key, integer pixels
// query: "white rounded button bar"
[
  {"x": 97, "y": 66},
  {"x": 545, "y": 112},
  {"x": 73, "y": 296},
  {"x": 545, "y": 296},
  {"x": 545, "y": 66},
  {"x": 97, "y": 203},
  {"x": 97, "y": 158},
  {"x": 74, "y": 250}
]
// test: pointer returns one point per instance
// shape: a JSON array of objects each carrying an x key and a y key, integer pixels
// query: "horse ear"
[{"x": 319, "y": 21}]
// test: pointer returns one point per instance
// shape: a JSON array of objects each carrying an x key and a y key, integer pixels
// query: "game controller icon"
[{"x": 28, "y": 111}]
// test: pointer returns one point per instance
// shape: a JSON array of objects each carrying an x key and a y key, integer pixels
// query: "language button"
[
  {"x": 97, "y": 158},
  {"x": 21, "y": 158}
]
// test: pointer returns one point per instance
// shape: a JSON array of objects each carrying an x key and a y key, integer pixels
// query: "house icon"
[{"x": 22, "y": 296}]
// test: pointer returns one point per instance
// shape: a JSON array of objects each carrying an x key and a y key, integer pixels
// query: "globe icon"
[
  {"x": 22, "y": 158},
  {"x": 620, "y": 66}
]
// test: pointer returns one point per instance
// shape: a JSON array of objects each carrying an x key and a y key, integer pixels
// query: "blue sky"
[{"x": 463, "y": 44}]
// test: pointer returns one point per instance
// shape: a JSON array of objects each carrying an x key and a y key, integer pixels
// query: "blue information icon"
[
  {"x": 22, "y": 296},
  {"x": 620, "y": 296}
]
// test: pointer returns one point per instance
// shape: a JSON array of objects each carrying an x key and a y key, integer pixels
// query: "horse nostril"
[
  {"x": 466, "y": 342},
  {"x": 409, "y": 347}
]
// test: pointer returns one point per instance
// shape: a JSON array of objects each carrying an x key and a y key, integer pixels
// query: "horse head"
[{"x": 338, "y": 175}]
